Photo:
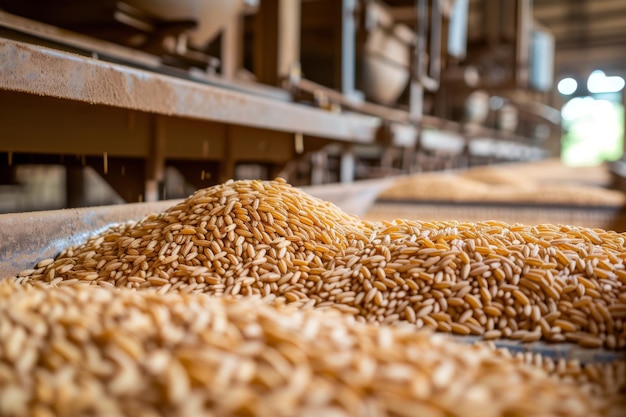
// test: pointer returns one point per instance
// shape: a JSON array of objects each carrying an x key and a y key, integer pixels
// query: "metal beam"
[
  {"x": 76, "y": 40},
  {"x": 43, "y": 71},
  {"x": 545, "y": 9},
  {"x": 597, "y": 17}
]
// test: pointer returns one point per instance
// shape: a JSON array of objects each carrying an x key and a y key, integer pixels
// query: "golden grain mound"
[
  {"x": 503, "y": 185},
  {"x": 558, "y": 283},
  {"x": 78, "y": 351}
]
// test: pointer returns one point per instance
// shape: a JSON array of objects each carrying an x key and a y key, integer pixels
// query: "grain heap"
[
  {"x": 503, "y": 185},
  {"x": 93, "y": 351},
  {"x": 557, "y": 283}
]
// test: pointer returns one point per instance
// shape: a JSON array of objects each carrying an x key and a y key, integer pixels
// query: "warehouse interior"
[
  {"x": 470, "y": 118},
  {"x": 316, "y": 92}
]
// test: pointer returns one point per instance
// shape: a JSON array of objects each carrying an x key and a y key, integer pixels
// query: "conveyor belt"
[
  {"x": 554, "y": 351},
  {"x": 603, "y": 217},
  {"x": 530, "y": 193}
]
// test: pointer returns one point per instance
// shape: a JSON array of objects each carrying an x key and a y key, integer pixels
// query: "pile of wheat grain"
[
  {"x": 488, "y": 185},
  {"x": 557, "y": 283},
  {"x": 99, "y": 352}
]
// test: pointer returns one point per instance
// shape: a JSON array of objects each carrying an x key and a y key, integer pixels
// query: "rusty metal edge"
[
  {"x": 38, "y": 70},
  {"x": 27, "y": 238},
  {"x": 554, "y": 351},
  {"x": 76, "y": 40}
]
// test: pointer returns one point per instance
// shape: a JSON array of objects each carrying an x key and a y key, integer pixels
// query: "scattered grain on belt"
[
  {"x": 79, "y": 350},
  {"x": 552, "y": 282}
]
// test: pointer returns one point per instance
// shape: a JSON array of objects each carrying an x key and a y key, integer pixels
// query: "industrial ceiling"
[{"x": 590, "y": 34}]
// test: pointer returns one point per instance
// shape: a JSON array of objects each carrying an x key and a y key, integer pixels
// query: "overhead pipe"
[
  {"x": 428, "y": 69},
  {"x": 425, "y": 75}
]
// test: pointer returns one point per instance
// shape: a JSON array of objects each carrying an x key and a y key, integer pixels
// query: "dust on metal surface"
[
  {"x": 76, "y": 40},
  {"x": 39, "y": 70}
]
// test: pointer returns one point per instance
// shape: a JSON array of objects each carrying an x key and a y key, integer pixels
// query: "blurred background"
[{"x": 110, "y": 102}]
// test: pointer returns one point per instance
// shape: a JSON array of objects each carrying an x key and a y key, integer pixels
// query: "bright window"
[{"x": 594, "y": 129}]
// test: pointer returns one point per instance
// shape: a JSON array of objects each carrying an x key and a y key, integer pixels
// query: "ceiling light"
[
  {"x": 567, "y": 86},
  {"x": 598, "y": 82}
]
